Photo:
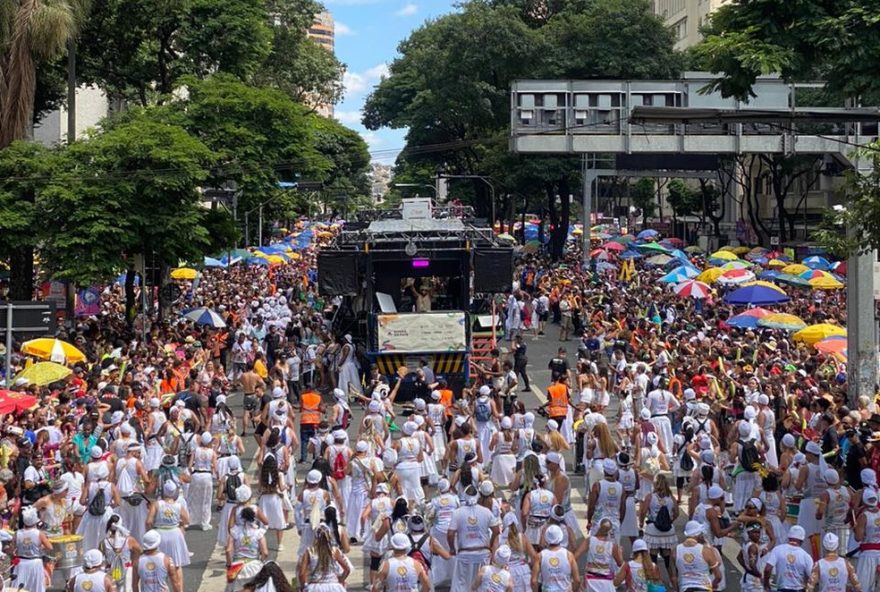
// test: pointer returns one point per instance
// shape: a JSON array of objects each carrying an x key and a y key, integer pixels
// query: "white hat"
[
  {"x": 207, "y": 438},
  {"x": 797, "y": 533},
  {"x": 552, "y": 425},
  {"x": 435, "y": 395},
  {"x": 529, "y": 418},
  {"x": 715, "y": 492},
  {"x": 485, "y": 390},
  {"x": 509, "y": 520},
  {"x": 813, "y": 448},
  {"x": 869, "y": 497},
  {"x": 339, "y": 435},
  {"x": 750, "y": 412},
  {"x": 233, "y": 464},
  {"x": 419, "y": 404},
  {"x": 117, "y": 417},
  {"x": 609, "y": 467},
  {"x": 29, "y": 516},
  {"x": 830, "y": 542},
  {"x": 645, "y": 413},
  {"x": 759, "y": 505},
  {"x": 693, "y": 529},
  {"x": 93, "y": 558},
  {"x": 361, "y": 446},
  {"x": 277, "y": 392},
  {"x": 486, "y": 488},
  {"x": 553, "y": 534},
  {"x": 639, "y": 545},
  {"x": 169, "y": 489},
  {"x": 506, "y": 423},
  {"x": 180, "y": 404},
  {"x": 763, "y": 399},
  {"x": 745, "y": 429},
  {"x": 460, "y": 420},
  {"x": 339, "y": 393},
  {"x": 707, "y": 457},
  {"x": 154, "y": 402},
  {"x": 703, "y": 409},
  {"x": 690, "y": 394},
  {"x": 409, "y": 428},
  {"x": 502, "y": 555},
  {"x": 151, "y": 540},
  {"x": 126, "y": 429},
  {"x": 554, "y": 457},
  {"x": 389, "y": 457},
  {"x": 400, "y": 542},
  {"x": 97, "y": 452},
  {"x": 868, "y": 476},
  {"x": 443, "y": 485},
  {"x": 831, "y": 477},
  {"x": 221, "y": 399},
  {"x": 374, "y": 406},
  {"x": 788, "y": 441},
  {"x": 652, "y": 438},
  {"x": 313, "y": 477}
]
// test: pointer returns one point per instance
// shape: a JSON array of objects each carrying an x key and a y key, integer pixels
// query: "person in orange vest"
[
  {"x": 557, "y": 399},
  {"x": 311, "y": 412}
]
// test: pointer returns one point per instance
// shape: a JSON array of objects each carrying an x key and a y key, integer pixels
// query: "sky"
[{"x": 367, "y": 35}]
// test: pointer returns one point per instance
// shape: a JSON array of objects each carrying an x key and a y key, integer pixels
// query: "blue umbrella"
[
  {"x": 742, "y": 321},
  {"x": 211, "y": 262},
  {"x": 817, "y": 262},
  {"x": 205, "y": 316},
  {"x": 679, "y": 254},
  {"x": 760, "y": 261},
  {"x": 755, "y": 296},
  {"x": 648, "y": 233},
  {"x": 769, "y": 275},
  {"x": 257, "y": 261},
  {"x": 630, "y": 255}
]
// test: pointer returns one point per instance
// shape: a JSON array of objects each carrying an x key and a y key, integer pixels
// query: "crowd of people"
[{"x": 662, "y": 415}]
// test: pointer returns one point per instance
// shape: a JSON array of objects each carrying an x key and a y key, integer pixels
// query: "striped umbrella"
[
  {"x": 692, "y": 289},
  {"x": 817, "y": 262},
  {"x": 736, "y": 276},
  {"x": 205, "y": 316}
]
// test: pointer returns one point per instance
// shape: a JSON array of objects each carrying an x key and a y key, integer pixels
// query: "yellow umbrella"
[
  {"x": 770, "y": 285},
  {"x": 781, "y": 320},
  {"x": 47, "y": 348},
  {"x": 795, "y": 269},
  {"x": 726, "y": 255},
  {"x": 729, "y": 248},
  {"x": 739, "y": 250},
  {"x": 274, "y": 259},
  {"x": 825, "y": 283},
  {"x": 577, "y": 231},
  {"x": 776, "y": 263},
  {"x": 710, "y": 275},
  {"x": 818, "y": 332},
  {"x": 43, "y": 373},
  {"x": 184, "y": 273}
]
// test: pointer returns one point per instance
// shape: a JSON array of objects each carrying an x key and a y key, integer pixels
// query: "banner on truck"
[{"x": 422, "y": 332}]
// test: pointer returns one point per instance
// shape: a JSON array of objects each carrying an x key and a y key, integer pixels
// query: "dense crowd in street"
[{"x": 660, "y": 413}]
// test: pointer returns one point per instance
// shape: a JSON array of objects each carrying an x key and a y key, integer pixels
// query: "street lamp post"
[{"x": 487, "y": 181}]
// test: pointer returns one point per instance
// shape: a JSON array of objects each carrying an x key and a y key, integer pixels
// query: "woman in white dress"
[
  {"x": 323, "y": 567},
  {"x": 497, "y": 576},
  {"x": 245, "y": 551},
  {"x": 349, "y": 370},
  {"x": 94, "y": 521},
  {"x": 437, "y": 414},
  {"x": 203, "y": 466},
  {"x": 118, "y": 547},
  {"x": 227, "y": 497},
  {"x": 272, "y": 488},
  {"x": 154, "y": 432},
  {"x": 409, "y": 458},
  {"x": 227, "y": 444},
  {"x": 659, "y": 542},
  {"x": 522, "y": 554},
  {"x": 629, "y": 478},
  {"x": 504, "y": 447},
  {"x": 30, "y": 546},
  {"x": 376, "y": 519},
  {"x": 526, "y": 436},
  {"x": 170, "y": 519},
  {"x": 441, "y": 508},
  {"x": 130, "y": 479},
  {"x": 428, "y": 469},
  {"x": 362, "y": 473}
]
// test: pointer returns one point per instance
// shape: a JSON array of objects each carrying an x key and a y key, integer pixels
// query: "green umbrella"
[
  {"x": 792, "y": 280},
  {"x": 653, "y": 247},
  {"x": 693, "y": 249}
]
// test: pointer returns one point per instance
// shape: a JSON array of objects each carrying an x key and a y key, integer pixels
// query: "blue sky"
[{"x": 367, "y": 35}]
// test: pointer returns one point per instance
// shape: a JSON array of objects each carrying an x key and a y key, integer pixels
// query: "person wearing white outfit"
[
  {"x": 377, "y": 520},
  {"x": 338, "y": 456},
  {"x": 362, "y": 473},
  {"x": 496, "y": 577},
  {"x": 629, "y": 479},
  {"x": 521, "y": 553},
  {"x": 349, "y": 369},
  {"x": 811, "y": 483},
  {"x": 245, "y": 550},
  {"x": 606, "y": 501},
  {"x": 833, "y": 573},
  {"x": 603, "y": 556},
  {"x": 661, "y": 403},
  {"x": 437, "y": 414},
  {"x": 504, "y": 447},
  {"x": 441, "y": 509},
  {"x": 203, "y": 466},
  {"x": 155, "y": 570},
  {"x": 791, "y": 564},
  {"x": 94, "y": 521},
  {"x": 93, "y": 578},
  {"x": 867, "y": 534},
  {"x": 428, "y": 468},
  {"x": 170, "y": 519},
  {"x": 130, "y": 477},
  {"x": 697, "y": 565},
  {"x": 556, "y": 569},
  {"x": 767, "y": 422},
  {"x": 401, "y": 573},
  {"x": 409, "y": 458},
  {"x": 323, "y": 567},
  {"x": 485, "y": 413},
  {"x": 29, "y": 547},
  {"x": 747, "y": 478},
  {"x": 273, "y": 487},
  {"x": 155, "y": 422},
  {"x": 472, "y": 532},
  {"x": 834, "y": 506},
  {"x": 638, "y": 571}
]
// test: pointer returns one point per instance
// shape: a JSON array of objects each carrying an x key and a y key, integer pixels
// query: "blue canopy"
[
  {"x": 817, "y": 262},
  {"x": 647, "y": 233},
  {"x": 743, "y": 321},
  {"x": 755, "y": 296},
  {"x": 630, "y": 255}
]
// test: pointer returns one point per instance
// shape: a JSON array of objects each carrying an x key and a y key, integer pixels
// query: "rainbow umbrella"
[
  {"x": 812, "y": 274},
  {"x": 692, "y": 289},
  {"x": 755, "y": 296},
  {"x": 782, "y": 320},
  {"x": 832, "y": 345},
  {"x": 678, "y": 275},
  {"x": 818, "y": 332},
  {"x": 736, "y": 276},
  {"x": 748, "y": 319}
]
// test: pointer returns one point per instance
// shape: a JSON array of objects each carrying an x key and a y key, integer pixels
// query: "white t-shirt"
[
  {"x": 792, "y": 566},
  {"x": 293, "y": 366},
  {"x": 642, "y": 381}
]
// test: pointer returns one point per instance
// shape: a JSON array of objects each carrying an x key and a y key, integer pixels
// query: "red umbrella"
[
  {"x": 839, "y": 268},
  {"x": 692, "y": 289},
  {"x": 675, "y": 242},
  {"x": 613, "y": 246},
  {"x": 12, "y": 401}
]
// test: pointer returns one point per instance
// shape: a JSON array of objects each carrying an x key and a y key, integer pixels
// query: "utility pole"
[{"x": 71, "y": 90}]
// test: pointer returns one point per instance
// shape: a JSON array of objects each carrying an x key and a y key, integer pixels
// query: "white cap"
[
  {"x": 93, "y": 558},
  {"x": 745, "y": 429},
  {"x": 502, "y": 555},
  {"x": 389, "y": 457},
  {"x": 169, "y": 489},
  {"x": 759, "y": 505},
  {"x": 277, "y": 392},
  {"x": 117, "y": 417},
  {"x": 409, "y": 428},
  {"x": 435, "y": 395},
  {"x": 690, "y": 394},
  {"x": 831, "y": 477},
  {"x": 154, "y": 402},
  {"x": 374, "y": 406},
  {"x": 788, "y": 441},
  {"x": 645, "y": 413},
  {"x": 460, "y": 420},
  {"x": 813, "y": 448},
  {"x": 763, "y": 399},
  {"x": 609, "y": 467},
  {"x": 152, "y": 539},
  {"x": 830, "y": 542},
  {"x": 97, "y": 452},
  {"x": 639, "y": 545},
  {"x": 361, "y": 446},
  {"x": 693, "y": 528},
  {"x": 750, "y": 412},
  {"x": 400, "y": 542},
  {"x": 485, "y": 390},
  {"x": 339, "y": 435},
  {"x": 221, "y": 399},
  {"x": 797, "y": 533},
  {"x": 506, "y": 423},
  {"x": 443, "y": 485},
  {"x": 29, "y": 516},
  {"x": 339, "y": 393},
  {"x": 553, "y": 534},
  {"x": 703, "y": 409},
  {"x": 553, "y": 425},
  {"x": 529, "y": 418},
  {"x": 715, "y": 492},
  {"x": 233, "y": 464},
  {"x": 868, "y": 476},
  {"x": 207, "y": 438},
  {"x": 869, "y": 497},
  {"x": 486, "y": 488},
  {"x": 554, "y": 457},
  {"x": 707, "y": 457},
  {"x": 313, "y": 477}
]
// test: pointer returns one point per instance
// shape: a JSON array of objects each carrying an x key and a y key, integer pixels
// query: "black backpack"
[
  {"x": 686, "y": 463},
  {"x": 232, "y": 483},
  {"x": 748, "y": 455},
  {"x": 98, "y": 505},
  {"x": 663, "y": 519}
]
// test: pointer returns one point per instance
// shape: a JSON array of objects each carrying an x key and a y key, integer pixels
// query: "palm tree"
[{"x": 32, "y": 32}]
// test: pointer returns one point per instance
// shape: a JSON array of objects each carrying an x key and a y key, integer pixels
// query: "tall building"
[
  {"x": 685, "y": 17},
  {"x": 323, "y": 32},
  {"x": 91, "y": 107}
]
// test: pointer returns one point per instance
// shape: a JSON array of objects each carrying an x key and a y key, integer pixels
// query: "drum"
[
  {"x": 793, "y": 509},
  {"x": 67, "y": 551}
]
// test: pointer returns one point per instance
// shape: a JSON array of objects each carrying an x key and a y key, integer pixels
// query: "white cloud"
[
  {"x": 342, "y": 29},
  {"x": 351, "y": 2},
  {"x": 348, "y": 117},
  {"x": 372, "y": 139},
  {"x": 378, "y": 72},
  {"x": 358, "y": 83},
  {"x": 408, "y": 10}
]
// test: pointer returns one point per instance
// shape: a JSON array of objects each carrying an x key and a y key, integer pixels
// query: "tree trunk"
[{"x": 130, "y": 302}]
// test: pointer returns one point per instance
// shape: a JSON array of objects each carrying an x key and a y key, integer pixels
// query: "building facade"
[
  {"x": 323, "y": 32},
  {"x": 91, "y": 107},
  {"x": 685, "y": 17}
]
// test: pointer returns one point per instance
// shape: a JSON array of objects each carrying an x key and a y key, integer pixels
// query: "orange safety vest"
[
  {"x": 558, "y": 394},
  {"x": 446, "y": 401},
  {"x": 311, "y": 409}
]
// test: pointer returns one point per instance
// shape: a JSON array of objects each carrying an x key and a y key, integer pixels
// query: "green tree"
[
  {"x": 683, "y": 200},
  {"x": 643, "y": 196}
]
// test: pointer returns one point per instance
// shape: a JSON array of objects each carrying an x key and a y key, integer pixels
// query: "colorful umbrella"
[
  {"x": 13, "y": 401},
  {"x": 738, "y": 264},
  {"x": 614, "y": 246},
  {"x": 723, "y": 255},
  {"x": 795, "y": 269},
  {"x": 736, "y": 276},
  {"x": 781, "y": 320},
  {"x": 692, "y": 289},
  {"x": 840, "y": 268},
  {"x": 678, "y": 275},
  {"x": 766, "y": 285},
  {"x": 630, "y": 255},
  {"x": 211, "y": 262},
  {"x": 792, "y": 280},
  {"x": 647, "y": 234},
  {"x": 832, "y": 345},
  {"x": 205, "y": 316},
  {"x": 817, "y": 262},
  {"x": 825, "y": 283},
  {"x": 755, "y": 296},
  {"x": 43, "y": 373},
  {"x": 748, "y": 319},
  {"x": 688, "y": 271},
  {"x": 770, "y": 274},
  {"x": 184, "y": 273},
  {"x": 776, "y": 263},
  {"x": 47, "y": 348},
  {"x": 693, "y": 249},
  {"x": 812, "y": 274},
  {"x": 710, "y": 275},
  {"x": 659, "y": 260},
  {"x": 818, "y": 332},
  {"x": 625, "y": 239},
  {"x": 653, "y": 247}
]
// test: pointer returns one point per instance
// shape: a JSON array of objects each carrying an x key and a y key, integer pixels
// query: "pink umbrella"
[
  {"x": 692, "y": 289},
  {"x": 613, "y": 246},
  {"x": 757, "y": 312}
]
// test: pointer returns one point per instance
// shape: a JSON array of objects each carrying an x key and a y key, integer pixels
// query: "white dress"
[
  {"x": 94, "y": 528},
  {"x": 408, "y": 468},
  {"x": 167, "y": 522},
  {"x": 428, "y": 469},
  {"x": 29, "y": 573},
  {"x": 349, "y": 371},
  {"x": 133, "y": 517},
  {"x": 154, "y": 452},
  {"x": 272, "y": 506},
  {"x": 437, "y": 414},
  {"x": 361, "y": 472},
  {"x": 503, "y": 461},
  {"x": 323, "y": 581},
  {"x": 380, "y": 508},
  {"x": 201, "y": 489},
  {"x": 629, "y": 527}
]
